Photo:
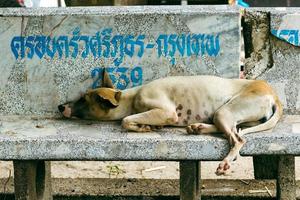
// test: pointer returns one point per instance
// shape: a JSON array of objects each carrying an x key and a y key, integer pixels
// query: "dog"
[{"x": 203, "y": 104}]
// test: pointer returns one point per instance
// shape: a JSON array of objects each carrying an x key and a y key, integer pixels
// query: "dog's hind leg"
[
  {"x": 142, "y": 122},
  {"x": 252, "y": 104},
  {"x": 223, "y": 120}
]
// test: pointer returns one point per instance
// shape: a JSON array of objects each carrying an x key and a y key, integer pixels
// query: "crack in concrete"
[
  {"x": 57, "y": 25},
  {"x": 259, "y": 53}
]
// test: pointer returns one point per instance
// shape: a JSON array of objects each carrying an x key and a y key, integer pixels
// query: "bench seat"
[
  {"x": 57, "y": 139},
  {"x": 32, "y": 142}
]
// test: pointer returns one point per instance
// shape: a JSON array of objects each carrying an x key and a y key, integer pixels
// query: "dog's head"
[{"x": 94, "y": 104}]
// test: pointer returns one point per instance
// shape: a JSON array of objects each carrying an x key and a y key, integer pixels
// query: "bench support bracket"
[
  {"x": 32, "y": 180},
  {"x": 190, "y": 180}
]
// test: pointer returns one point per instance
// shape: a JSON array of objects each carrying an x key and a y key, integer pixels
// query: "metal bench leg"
[
  {"x": 190, "y": 178},
  {"x": 286, "y": 183},
  {"x": 32, "y": 180},
  {"x": 281, "y": 168}
]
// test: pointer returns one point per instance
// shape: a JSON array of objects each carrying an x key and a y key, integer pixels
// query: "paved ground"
[{"x": 242, "y": 169}]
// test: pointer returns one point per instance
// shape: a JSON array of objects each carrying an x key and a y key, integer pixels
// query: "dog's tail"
[{"x": 277, "y": 113}]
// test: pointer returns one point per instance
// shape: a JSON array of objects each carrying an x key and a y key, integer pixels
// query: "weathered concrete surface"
[
  {"x": 51, "y": 55},
  {"x": 257, "y": 45},
  {"x": 286, "y": 183},
  {"x": 286, "y": 71},
  {"x": 282, "y": 70},
  {"x": 84, "y": 140},
  {"x": 285, "y": 24},
  {"x": 32, "y": 180},
  {"x": 190, "y": 180},
  {"x": 284, "y": 75}
]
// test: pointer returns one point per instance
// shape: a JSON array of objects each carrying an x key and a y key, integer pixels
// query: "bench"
[
  {"x": 51, "y": 55},
  {"x": 38, "y": 141}
]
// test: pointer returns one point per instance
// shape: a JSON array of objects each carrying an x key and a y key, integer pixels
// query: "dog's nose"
[{"x": 61, "y": 108}]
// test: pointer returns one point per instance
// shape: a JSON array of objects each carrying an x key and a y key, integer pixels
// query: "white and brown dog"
[{"x": 204, "y": 104}]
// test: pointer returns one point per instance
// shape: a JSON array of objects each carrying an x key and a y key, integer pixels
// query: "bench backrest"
[
  {"x": 286, "y": 24},
  {"x": 276, "y": 53},
  {"x": 48, "y": 56}
]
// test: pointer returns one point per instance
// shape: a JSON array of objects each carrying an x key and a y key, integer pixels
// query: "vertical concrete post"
[
  {"x": 32, "y": 180},
  {"x": 190, "y": 180},
  {"x": 286, "y": 183}
]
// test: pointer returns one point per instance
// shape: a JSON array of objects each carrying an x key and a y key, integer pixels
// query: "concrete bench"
[
  {"x": 50, "y": 55},
  {"x": 32, "y": 142}
]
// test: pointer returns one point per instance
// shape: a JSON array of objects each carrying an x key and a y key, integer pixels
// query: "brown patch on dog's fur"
[
  {"x": 261, "y": 88},
  {"x": 179, "y": 107},
  {"x": 185, "y": 122},
  {"x": 189, "y": 112},
  {"x": 109, "y": 94}
]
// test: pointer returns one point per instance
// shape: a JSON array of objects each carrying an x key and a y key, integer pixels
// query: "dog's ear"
[
  {"x": 109, "y": 98},
  {"x": 106, "y": 81}
]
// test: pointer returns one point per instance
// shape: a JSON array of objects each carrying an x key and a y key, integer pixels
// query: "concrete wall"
[
  {"x": 50, "y": 55},
  {"x": 272, "y": 47}
]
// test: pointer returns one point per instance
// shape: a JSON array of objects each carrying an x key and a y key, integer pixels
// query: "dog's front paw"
[
  {"x": 132, "y": 126},
  {"x": 144, "y": 128},
  {"x": 223, "y": 168}
]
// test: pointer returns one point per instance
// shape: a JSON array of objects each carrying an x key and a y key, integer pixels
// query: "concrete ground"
[{"x": 241, "y": 169}]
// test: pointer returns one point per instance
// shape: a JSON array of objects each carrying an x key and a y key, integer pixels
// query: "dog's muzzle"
[{"x": 65, "y": 110}]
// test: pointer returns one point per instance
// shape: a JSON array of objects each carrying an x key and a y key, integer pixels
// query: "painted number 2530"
[{"x": 122, "y": 77}]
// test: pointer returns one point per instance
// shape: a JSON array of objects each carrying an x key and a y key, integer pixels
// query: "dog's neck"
[{"x": 125, "y": 106}]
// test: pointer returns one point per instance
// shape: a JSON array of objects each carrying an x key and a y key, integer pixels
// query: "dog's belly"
[
  {"x": 188, "y": 114},
  {"x": 198, "y": 105}
]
